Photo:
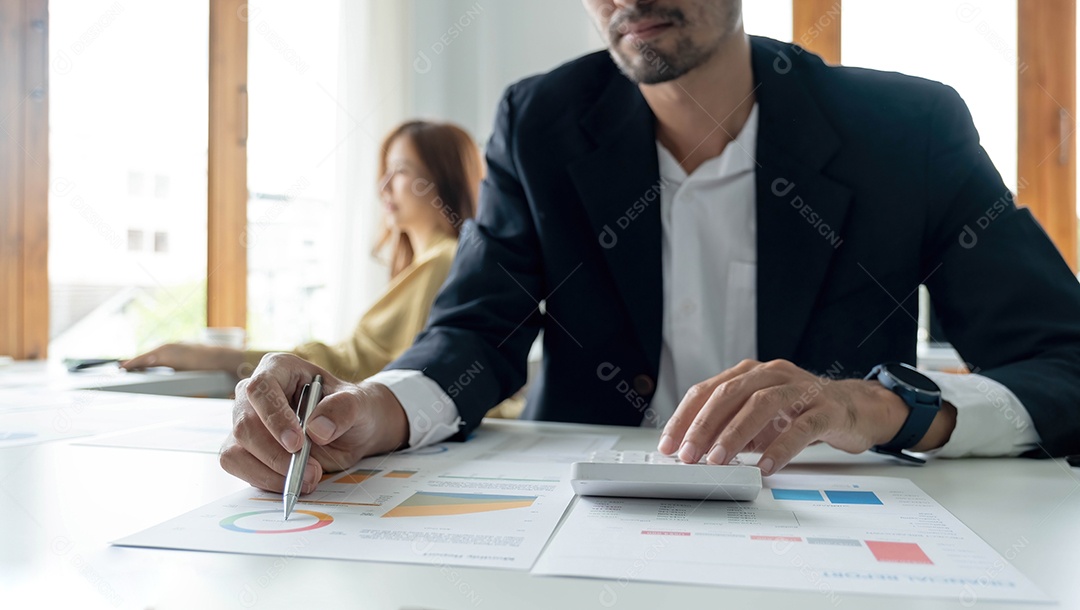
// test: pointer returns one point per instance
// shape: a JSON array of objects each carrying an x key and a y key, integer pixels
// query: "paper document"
[
  {"x": 492, "y": 501},
  {"x": 203, "y": 431},
  {"x": 30, "y": 417},
  {"x": 829, "y": 534}
]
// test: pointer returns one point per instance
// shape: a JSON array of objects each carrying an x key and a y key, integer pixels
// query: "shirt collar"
[{"x": 737, "y": 157}]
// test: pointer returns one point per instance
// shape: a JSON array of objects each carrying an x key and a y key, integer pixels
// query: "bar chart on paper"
[
  {"x": 833, "y": 535},
  {"x": 436, "y": 504},
  {"x": 836, "y": 496},
  {"x": 473, "y": 505}
]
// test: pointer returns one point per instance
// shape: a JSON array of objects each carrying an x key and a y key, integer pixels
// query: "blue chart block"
[
  {"x": 853, "y": 497},
  {"x": 809, "y": 495}
]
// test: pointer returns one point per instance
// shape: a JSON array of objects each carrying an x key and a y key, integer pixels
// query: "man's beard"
[{"x": 651, "y": 65}]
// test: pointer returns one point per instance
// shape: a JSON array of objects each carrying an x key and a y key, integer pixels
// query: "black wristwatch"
[{"x": 921, "y": 394}]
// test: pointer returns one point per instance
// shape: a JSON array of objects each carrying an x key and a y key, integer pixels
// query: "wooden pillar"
[
  {"x": 1047, "y": 117},
  {"x": 816, "y": 27},
  {"x": 24, "y": 178},
  {"x": 226, "y": 275}
]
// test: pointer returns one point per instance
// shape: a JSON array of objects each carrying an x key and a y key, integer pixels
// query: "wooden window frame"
[
  {"x": 24, "y": 173},
  {"x": 24, "y": 178},
  {"x": 816, "y": 26},
  {"x": 1046, "y": 123},
  {"x": 1046, "y": 104},
  {"x": 1046, "y": 43},
  {"x": 226, "y": 183}
]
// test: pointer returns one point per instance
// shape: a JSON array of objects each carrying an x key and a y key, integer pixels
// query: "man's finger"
[
  {"x": 270, "y": 390},
  {"x": 334, "y": 415},
  {"x": 807, "y": 428},
  {"x": 691, "y": 404},
  {"x": 751, "y": 421},
  {"x": 238, "y": 462},
  {"x": 252, "y": 435},
  {"x": 726, "y": 400},
  {"x": 241, "y": 464},
  {"x": 779, "y": 424}
]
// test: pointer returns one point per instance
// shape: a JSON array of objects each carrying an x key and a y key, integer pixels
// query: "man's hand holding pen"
[{"x": 349, "y": 422}]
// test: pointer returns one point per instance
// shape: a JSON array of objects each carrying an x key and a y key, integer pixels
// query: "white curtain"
[{"x": 373, "y": 92}]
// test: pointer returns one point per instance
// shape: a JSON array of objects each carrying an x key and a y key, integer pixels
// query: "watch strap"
[
  {"x": 898, "y": 453},
  {"x": 919, "y": 419}
]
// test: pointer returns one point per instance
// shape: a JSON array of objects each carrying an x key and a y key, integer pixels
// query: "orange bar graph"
[
  {"x": 320, "y": 502},
  {"x": 357, "y": 476},
  {"x": 434, "y": 504}
]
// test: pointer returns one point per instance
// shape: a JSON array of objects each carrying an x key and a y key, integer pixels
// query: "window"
[
  {"x": 969, "y": 45},
  {"x": 161, "y": 187},
  {"x": 116, "y": 69},
  {"x": 127, "y": 144},
  {"x": 770, "y": 18},
  {"x": 292, "y": 146},
  {"x": 135, "y": 183},
  {"x": 135, "y": 239}
]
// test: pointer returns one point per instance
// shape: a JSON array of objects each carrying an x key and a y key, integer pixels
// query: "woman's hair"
[{"x": 455, "y": 168}]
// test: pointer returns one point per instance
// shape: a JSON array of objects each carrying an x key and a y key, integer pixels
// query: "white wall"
[{"x": 466, "y": 52}]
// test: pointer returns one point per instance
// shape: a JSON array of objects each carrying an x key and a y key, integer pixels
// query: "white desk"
[
  {"x": 62, "y": 503},
  {"x": 53, "y": 375}
]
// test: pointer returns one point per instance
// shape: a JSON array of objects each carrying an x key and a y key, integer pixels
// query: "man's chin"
[{"x": 645, "y": 71}]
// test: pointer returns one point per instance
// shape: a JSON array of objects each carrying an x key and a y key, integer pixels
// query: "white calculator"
[{"x": 651, "y": 474}]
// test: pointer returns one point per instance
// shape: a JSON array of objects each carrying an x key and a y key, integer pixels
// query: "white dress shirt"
[{"x": 709, "y": 250}]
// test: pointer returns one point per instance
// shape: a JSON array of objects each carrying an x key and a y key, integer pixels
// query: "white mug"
[{"x": 224, "y": 336}]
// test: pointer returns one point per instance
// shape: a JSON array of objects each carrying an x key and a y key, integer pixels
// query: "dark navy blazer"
[{"x": 868, "y": 184}]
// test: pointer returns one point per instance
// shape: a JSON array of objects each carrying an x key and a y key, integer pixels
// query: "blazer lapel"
[
  {"x": 619, "y": 184},
  {"x": 800, "y": 211}
]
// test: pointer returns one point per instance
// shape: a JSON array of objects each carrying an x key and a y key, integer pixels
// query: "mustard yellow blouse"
[{"x": 390, "y": 326}]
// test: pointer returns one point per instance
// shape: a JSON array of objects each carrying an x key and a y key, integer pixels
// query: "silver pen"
[{"x": 309, "y": 398}]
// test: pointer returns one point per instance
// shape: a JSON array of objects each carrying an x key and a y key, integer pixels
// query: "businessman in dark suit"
[{"x": 721, "y": 237}]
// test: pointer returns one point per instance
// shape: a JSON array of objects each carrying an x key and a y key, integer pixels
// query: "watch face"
[{"x": 912, "y": 377}]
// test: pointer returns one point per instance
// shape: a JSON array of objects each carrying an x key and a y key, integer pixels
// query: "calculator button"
[{"x": 642, "y": 457}]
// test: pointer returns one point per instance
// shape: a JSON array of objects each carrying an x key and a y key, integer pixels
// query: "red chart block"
[{"x": 898, "y": 552}]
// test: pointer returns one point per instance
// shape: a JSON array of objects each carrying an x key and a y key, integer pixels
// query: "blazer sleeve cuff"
[{"x": 431, "y": 413}]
